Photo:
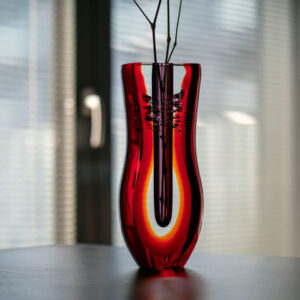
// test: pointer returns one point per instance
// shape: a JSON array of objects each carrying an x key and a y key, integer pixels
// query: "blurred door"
[{"x": 93, "y": 118}]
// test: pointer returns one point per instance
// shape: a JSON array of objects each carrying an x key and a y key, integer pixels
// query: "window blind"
[
  {"x": 246, "y": 128},
  {"x": 36, "y": 123}
]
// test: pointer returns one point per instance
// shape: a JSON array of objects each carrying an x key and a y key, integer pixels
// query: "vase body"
[{"x": 161, "y": 199}]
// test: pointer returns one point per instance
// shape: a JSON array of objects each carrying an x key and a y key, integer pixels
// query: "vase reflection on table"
[
  {"x": 175, "y": 284},
  {"x": 161, "y": 200}
]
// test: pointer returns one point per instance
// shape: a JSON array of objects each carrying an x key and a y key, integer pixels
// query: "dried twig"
[
  {"x": 175, "y": 41},
  {"x": 152, "y": 24},
  {"x": 169, "y": 34},
  {"x": 142, "y": 12}
]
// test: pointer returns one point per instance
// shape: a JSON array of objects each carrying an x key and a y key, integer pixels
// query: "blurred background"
[{"x": 63, "y": 127}]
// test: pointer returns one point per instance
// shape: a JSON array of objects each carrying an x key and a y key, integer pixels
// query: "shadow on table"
[{"x": 167, "y": 284}]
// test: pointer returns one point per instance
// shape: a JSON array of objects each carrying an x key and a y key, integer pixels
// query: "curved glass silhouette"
[{"x": 161, "y": 164}]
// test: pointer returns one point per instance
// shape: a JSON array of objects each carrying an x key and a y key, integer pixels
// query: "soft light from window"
[{"x": 240, "y": 117}]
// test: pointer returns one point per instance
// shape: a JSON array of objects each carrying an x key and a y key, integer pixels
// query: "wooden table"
[{"x": 102, "y": 272}]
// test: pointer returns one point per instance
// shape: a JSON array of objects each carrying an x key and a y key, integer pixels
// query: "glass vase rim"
[{"x": 161, "y": 64}]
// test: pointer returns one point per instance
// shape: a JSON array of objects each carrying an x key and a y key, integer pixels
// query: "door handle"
[{"x": 92, "y": 106}]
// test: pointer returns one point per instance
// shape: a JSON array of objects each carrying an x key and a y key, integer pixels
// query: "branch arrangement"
[{"x": 153, "y": 27}]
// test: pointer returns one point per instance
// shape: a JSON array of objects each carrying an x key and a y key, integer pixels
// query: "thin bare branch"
[
  {"x": 154, "y": 44},
  {"x": 169, "y": 34},
  {"x": 142, "y": 12},
  {"x": 157, "y": 11},
  {"x": 175, "y": 41},
  {"x": 152, "y": 24}
]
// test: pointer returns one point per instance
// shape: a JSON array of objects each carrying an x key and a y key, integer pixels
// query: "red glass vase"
[{"x": 161, "y": 197}]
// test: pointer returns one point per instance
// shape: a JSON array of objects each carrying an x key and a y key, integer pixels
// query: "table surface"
[{"x": 104, "y": 272}]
